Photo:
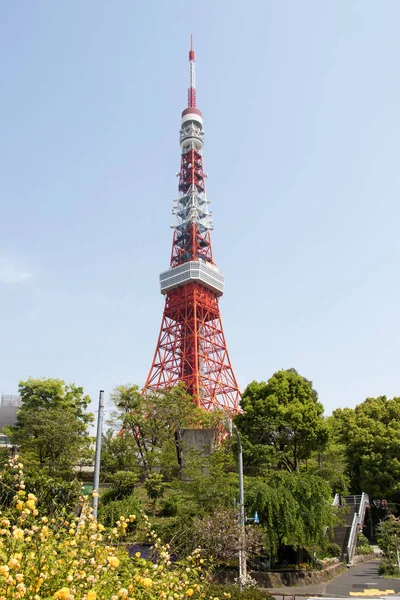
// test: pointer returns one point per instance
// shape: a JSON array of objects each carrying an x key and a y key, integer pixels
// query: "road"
[{"x": 361, "y": 581}]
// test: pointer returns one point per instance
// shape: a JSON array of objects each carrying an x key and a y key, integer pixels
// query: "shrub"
[
  {"x": 123, "y": 483},
  {"x": 333, "y": 550},
  {"x": 233, "y": 591},
  {"x": 388, "y": 568},
  {"x": 363, "y": 546},
  {"x": 76, "y": 559},
  {"x": 109, "y": 513},
  {"x": 171, "y": 506}
]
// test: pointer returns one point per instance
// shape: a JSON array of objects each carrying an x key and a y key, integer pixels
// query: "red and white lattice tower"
[{"x": 191, "y": 347}]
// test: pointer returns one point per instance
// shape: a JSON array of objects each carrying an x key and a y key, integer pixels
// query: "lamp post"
[
  {"x": 242, "y": 520},
  {"x": 96, "y": 477}
]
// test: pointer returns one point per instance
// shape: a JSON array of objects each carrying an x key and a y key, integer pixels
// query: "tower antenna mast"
[{"x": 191, "y": 346}]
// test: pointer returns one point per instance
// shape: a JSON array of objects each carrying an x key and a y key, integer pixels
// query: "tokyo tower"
[{"x": 191, "y": 346}]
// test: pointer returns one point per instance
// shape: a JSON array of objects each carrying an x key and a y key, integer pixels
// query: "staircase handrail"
[
  {"x": 352, "y": 499},
  {"x": 358, "y": 521}
]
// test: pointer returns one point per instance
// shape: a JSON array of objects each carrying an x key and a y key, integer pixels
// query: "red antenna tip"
[{"x": 191, "y": 51}]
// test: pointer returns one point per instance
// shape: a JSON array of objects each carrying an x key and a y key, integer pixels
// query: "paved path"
[
  {"x": 363, "y": 581},
  {"x": 360, "y": 581}
]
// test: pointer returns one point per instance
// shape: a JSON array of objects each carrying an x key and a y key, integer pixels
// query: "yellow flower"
[
  {"x": 30, "y": 504},
  {"x": 189, "y": 592},
  {"x": 132, "y": 518},
  {"x": 137, "y": 554},
  {"x": 113, "y": 561},
  {"x": 18, "y": 534},
  {"x": 62, "y": 594},
  {"x": 91, "y": 595},
  {"x": 147, "y": 582},
  {"x": 13, "y": 562},
  {"x": 4, "y": 569},
  {"x": 20, "y": 505}
]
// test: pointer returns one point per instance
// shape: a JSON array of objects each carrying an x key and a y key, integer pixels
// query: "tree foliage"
[
  {"x": 282, "y": 423},
  {"x": 294, "y": 508},
  {"x": 155, "y": 423},
  {"x": 371, "y": 437},
  {"x": 118, "y": 453},
  {"x": 329, "y": 462},
  {"x": 388, "y": 532},
  {"x": 219, "y": 536},
  {"x": 51, "y": 427}
]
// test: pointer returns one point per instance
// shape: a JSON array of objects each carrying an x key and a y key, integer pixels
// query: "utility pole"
[
  {"x": 96, "y": 478},
  {"x": 242, "y": 520}
]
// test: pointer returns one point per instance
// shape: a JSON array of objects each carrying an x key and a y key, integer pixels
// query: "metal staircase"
[{"x": 346, "y": 535}]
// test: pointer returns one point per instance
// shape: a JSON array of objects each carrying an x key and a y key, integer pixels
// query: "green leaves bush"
[
  {"x": 333, "y": 551},
  {"x": 109, "y": 513}
]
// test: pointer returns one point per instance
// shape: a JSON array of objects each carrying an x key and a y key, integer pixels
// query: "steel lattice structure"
[{"x": 191, "y": 347}]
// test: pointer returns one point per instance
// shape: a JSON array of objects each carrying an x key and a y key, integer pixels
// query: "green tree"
[
  {"x": 388, "y": 538},
  {"x": 156, "y": 421},
  {"x": 155, "y": 488},
  {"x": 118, "y": 453},
  {"x": 371, "y": 437},
  {"x": 51, "y": 427},
  {"x": 329, "y": 462},
  {"x": 295, "y": 509},
  {"x": 282, "y": 423}
]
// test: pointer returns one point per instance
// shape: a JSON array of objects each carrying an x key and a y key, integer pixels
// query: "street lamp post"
[{"x": 242, "y": 520}]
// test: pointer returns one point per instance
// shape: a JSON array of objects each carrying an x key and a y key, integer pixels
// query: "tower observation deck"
[{"x": 191, "y": 346}]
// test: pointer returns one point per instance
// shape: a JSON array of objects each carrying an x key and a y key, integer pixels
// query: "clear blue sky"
[{"x": 301, "y": 108}]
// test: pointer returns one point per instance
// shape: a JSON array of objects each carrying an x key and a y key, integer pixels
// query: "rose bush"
[{"x": 75, "y": 558}]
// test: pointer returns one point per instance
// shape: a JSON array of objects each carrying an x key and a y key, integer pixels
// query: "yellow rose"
[
  {"x": 91, "y": 595},
  {"x": 13, "y": 562},
  {"x": 20, "y": 505},
  {"x": 189, "y": 592},
  {"x": 147, "y": 582},
  {"x": 137, "y": 554},
  {"x": 132, "y": 518},
  {"x": 4, "y": 569},
  {"x": 30, "y": 504},
  {"x": 18, "y": 534},
  {"x": 62, "y": 594},
  {"x": 113, "y": 561}
]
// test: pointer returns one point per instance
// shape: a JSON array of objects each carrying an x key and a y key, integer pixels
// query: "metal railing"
[
  {"x": 358, "y": 521},
  {"x": 353, "y": 499}
]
